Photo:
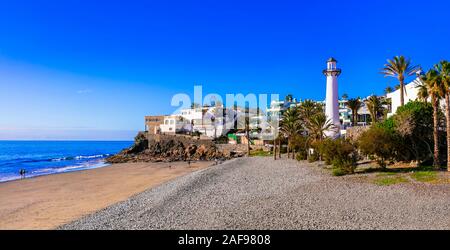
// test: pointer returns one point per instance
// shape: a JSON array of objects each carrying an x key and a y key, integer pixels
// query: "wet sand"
[{"x": 46, "y": 202}]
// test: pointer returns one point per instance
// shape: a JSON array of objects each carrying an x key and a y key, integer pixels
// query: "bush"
[
  {"x": 340, "y": 153},
  {"x": 347, "y": 164},
  {"x": 338, "y": 172},
  {"x": 412, "y": 129},
  {"x": 260, "y": 152},
  {"x": 221, "y": 140},
  {"x": 378, "y": 142},
  {"x": 301, "y": 156},
  {"x": 406, "y": 136},
  {"x": 300, "y": 144},
  {"x": 313, "y": 157}
]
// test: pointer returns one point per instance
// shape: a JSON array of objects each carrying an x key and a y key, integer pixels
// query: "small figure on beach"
[{"x": 22, "y": 173}]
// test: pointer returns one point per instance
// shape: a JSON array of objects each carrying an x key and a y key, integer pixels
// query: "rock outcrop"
[{"x": 169, "y": 150}]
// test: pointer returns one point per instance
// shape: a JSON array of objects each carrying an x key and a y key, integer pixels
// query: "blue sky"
[{"x": 89, "y": 66}]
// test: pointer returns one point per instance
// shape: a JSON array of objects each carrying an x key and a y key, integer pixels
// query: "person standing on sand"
[{"x": 22, "y": 173}]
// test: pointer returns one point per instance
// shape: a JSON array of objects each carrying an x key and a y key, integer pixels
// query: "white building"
[
  {"x": 411, "y": 94},
  {"x": 345, "y": 114},
  {"x": 209, "y": 121},
  {"x": 174, "y": 124}
]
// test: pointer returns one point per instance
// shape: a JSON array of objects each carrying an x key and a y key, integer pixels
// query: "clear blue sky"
[{"x": 103, "y": 65}]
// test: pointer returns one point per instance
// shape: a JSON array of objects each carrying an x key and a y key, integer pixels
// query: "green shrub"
[
  {"x": 221, "y": 140},
  {"x": 313, "y": 157},
  {"x": 300, "y": 145},
  {"x": 412, "y": 129},
  {"x": 378, "y": 142},
  {"x": 346, "y": 164},
  {"x": 260, "y": 153},
  {"x": 301, "y": 156},
  {"x": 338, "y": 172},
  {"x": 328, "y": 149},
  {"x": 340, "y": 153}
]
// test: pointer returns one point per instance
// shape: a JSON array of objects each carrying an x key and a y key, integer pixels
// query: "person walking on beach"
[{"x": 22, "y": 173}]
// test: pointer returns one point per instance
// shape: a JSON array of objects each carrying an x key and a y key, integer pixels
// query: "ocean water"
[{"x": 51, "y": 157}]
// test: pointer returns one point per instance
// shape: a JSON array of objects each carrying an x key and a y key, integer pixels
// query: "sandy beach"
[{"x": 49, "y": 201}]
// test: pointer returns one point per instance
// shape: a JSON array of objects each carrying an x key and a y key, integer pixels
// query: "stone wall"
[{"x": 185, "y": 139}]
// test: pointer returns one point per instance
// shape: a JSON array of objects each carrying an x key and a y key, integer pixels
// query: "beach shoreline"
[
  {"x": 49, "y": 201},
  {"x": 63, "y": 170}
]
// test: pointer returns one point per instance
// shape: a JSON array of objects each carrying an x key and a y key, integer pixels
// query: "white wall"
[{"x": 410, "y": 95}]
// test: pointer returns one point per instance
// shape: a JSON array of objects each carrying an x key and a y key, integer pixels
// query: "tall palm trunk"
[
  {"x": 274, "y": 149},
  {"x": 402, "y": 92},
  {"x": 447, "y": 102},
  {"x": 435, "y": 131},
  {"x": 279, "y": 148},
  {"x": 353, "y": 118},
  {"x": 288, "y": 152},
  {"x": 248, "y": 145}
]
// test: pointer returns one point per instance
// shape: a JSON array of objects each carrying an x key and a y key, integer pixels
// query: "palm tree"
[
  {"x": 444, "y": 71},
  {"x": 290, "y": 124},
  {"x": 388, "y": 90},
  {"x": 289, "y": 98},
  {"x": 308, "y": 109},
  {"x": 400, "y": 68},
  {"x": 375, "y": 107},
  {"x": 344, "y": 96},
  {"x": 433, "y": 83},
  {"x": 354, "y": 105},
  {"x": 247, "y": 128},
  {"x": 422, "y": 93},
  {"x": 318, "y": 126}
]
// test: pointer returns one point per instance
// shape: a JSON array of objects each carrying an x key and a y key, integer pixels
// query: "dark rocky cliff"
[{"x": 150, "y": 148}]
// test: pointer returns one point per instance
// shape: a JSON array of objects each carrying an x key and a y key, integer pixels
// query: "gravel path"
[{"x": 259, "y": 193}]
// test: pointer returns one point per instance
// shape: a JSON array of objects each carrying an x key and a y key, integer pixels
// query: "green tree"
[
  {"x": 444, "y": 70},
  {"x": 318, "y": 126},
  {"x": 433, "y": 83},
  {"x": 289, "y": 98},
  {"x": 291, "y": 125},
  {"x": 377, "y": 142},
  {"x": 300, "y": 144},
  {"x": 354, "y": 105},
  {"x": 422, "y": 93},
  {"x": 400, "y": 68},
  {"x": 413, "y": 123},
  {"x": 375, "y": 107},
  {"x": 309, "y": 109},
  {"x": 388, "y": 90},
  {"x": 340, "y": 153}
]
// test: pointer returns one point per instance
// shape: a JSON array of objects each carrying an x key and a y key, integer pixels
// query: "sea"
[{"x": 52, "y": 157}]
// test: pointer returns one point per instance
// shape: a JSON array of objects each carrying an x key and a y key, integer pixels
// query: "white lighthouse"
[{"x": 331, "y": 103}]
